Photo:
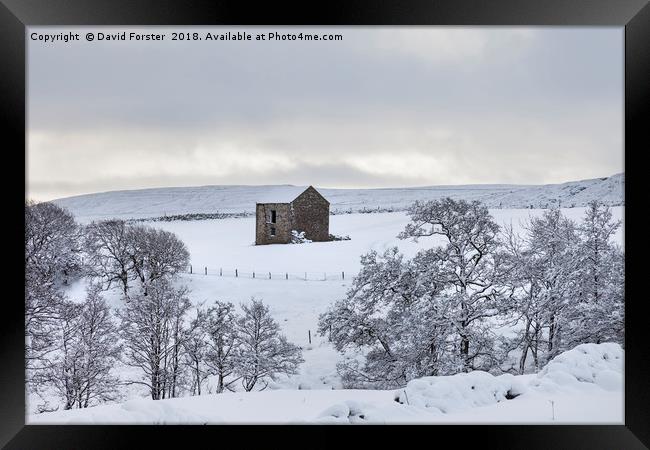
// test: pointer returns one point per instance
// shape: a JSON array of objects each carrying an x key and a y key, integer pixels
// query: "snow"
[
  {"x": 294, "y": 303},
  {"x": 587, "y": 363},
  {"x": 431, "y": 400},
  {"x": 586, "y": 368},
  {"x": 453, "y": 393},
  {"x": 584, "y": 386},
  {"x": 229, "y": 243},
  {"x": 158, "y": 202}
]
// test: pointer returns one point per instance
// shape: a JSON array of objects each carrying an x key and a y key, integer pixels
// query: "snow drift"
[
  {"x": 456, "y": 392},
  {"x": 586, "y": 382},
  {"x": 585, "y": 367},
  {"x": 600, "y": 364}
]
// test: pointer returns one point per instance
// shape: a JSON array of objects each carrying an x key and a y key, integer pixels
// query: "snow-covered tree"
[
  {"x": 153, "y": 331},
  {"x": 392, "y": 317},
  {"x": 598, "y": 306},
  {"x": 527, "y": 315},
  {"x": 108, "y": 249},
  {"x": 428, "y": 315},
  {"x": 100, "y": 346},
  {"x": 222, "y": 343},
  {"x": 155, "y": 254},
  {"x": 566, "y": 282},
  {"x": 466, "y": 267},
  {"x": 87, "y": 351},
  {"x": 552, "y": 243},
  {"x": 120, "y": 252},
  {"x": 52, "y": 242},
  {"x": 42, "y": 306},
  {"x": 180, "y": 333},
  {"x": 51, "y": 256},
  {"x": 195, "y": 351},
  {"x": 64, "y": 372},
  {"x": 263, "y": 353}
]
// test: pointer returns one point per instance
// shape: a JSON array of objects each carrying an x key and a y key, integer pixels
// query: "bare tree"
[
  {"x": 87, "y": 351},
  {"x": 101, "y": 350},
  {"x": 109, "y": 250},
  {"x": 180, "y": 333},
  {"x": 222, "y": 343},
  {"x": 153, "y": 332},
  {"x": 119, "y": 252},
  {"x": 64, "y": 374},
  {"x": 42, "y": 307},
  {"x": 195, "y": 351},
  {"x": 52, "y": 241},
  {"x": 51, "y": 256},
  {"x": 263, "y": 352},
  {"x": 155, "y": 254}
]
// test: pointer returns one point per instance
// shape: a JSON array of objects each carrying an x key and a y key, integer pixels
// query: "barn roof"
[{"x": 281, "y": 194}]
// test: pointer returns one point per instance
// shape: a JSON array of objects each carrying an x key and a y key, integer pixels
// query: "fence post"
[
  {"x": 287, "y": 275},
  {"x": 309, "y": 331},
  {"x": 269, "y": 275},
  {"x": 190, "y": 268},
  {"x": 343, "y": 275},
  {"x": 220, "y": 271},
  {"x": 235, "y": 273},
  {"x": 253, "y": 274},
  {"x": 206, "y": 270}
]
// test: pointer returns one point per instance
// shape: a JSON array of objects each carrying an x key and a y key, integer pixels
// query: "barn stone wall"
[
  {"x": 282, "y": 225},
  {"x": 311, "y": 214}
]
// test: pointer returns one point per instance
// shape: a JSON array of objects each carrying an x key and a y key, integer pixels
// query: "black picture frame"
[{"x": 16, "y": 15}]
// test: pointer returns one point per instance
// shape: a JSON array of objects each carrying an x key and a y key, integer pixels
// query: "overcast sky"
[{"x": 384, "y": 107}]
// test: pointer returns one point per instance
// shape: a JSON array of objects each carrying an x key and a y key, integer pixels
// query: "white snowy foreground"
[{"x": 583, "y": 385}]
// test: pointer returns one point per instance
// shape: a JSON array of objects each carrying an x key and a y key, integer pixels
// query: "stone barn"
[{"x": 289, "y": 210}]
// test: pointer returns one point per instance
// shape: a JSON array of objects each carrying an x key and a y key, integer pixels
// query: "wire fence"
[{"x": 266, "y": 275}]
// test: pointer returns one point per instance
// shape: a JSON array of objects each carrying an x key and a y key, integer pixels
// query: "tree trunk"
[
  {"x": 551, "y": 334},
  {"x": 464, "y": 352},
  {"x": 198, "y": 379},
  {"x": 220, "y": 384},
  {"x": 527, "y": 343},
  {"x": 522, "y": 361}
]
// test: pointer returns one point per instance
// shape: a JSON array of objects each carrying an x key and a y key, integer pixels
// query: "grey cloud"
[{"x": 514, "y": 105}]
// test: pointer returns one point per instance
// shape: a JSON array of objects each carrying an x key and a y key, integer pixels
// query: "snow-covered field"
[
  {"x": 229, "y": 243},
  {"x": 157, "y": 202},
  {"x": 315, "y": 394},
  {"x": 583, "y": 385}
]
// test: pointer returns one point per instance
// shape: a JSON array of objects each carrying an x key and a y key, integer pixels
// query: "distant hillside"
[{"x": 224, "y": 201}]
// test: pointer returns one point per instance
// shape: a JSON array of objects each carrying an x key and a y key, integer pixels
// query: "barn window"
[
  {"x": 271, "y": 216},
  {"x": 273, "y": 230}
]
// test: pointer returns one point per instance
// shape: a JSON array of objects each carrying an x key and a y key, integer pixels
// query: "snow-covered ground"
[
  {"x": 304, "y": 281},
  {"x": 157, "y": 202},
  {"x": 583, "y": 385},
  {"x": 229, "y": 243}
]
